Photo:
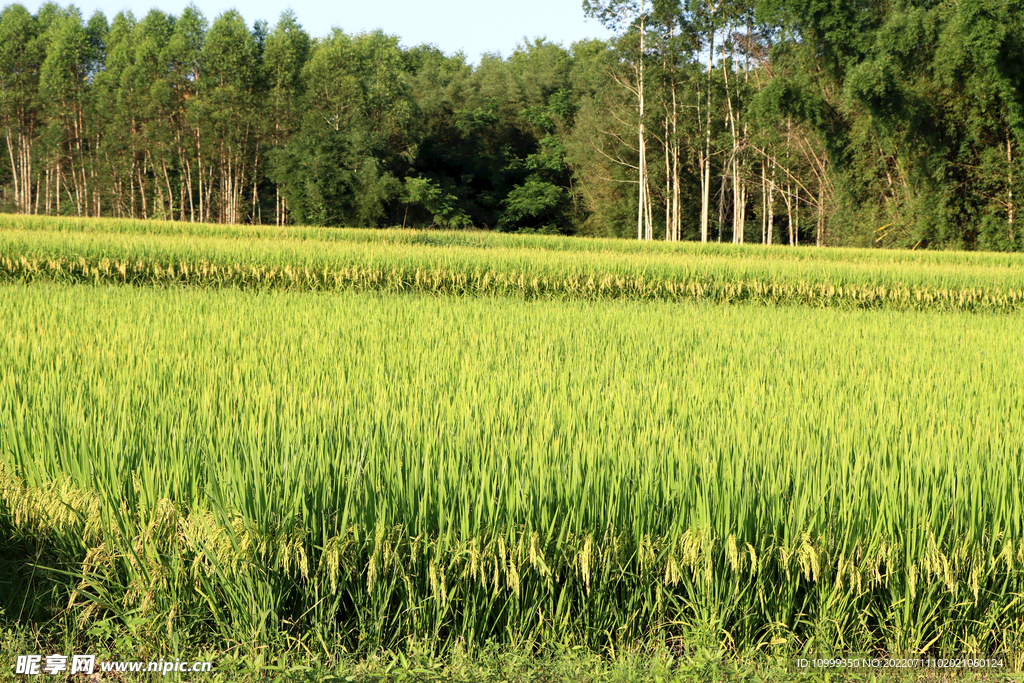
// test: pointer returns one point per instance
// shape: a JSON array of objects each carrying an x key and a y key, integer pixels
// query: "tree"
[
  {"x": 631, "y": 16},
  {"x": 339, "y": 169},
  {"x": 22, "y": 51},
  {"x": 183, "y": 56},
  {"x": 63, "y": 94},
  {"x": 229, "y": 115},
  {"x": 599, "y": 148},
  {"x": 287, "y": 51}
]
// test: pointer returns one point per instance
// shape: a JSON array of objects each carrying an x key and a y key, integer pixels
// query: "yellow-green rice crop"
[
  {"x": 368, "y": 468},
  {"x": 497, "y": 240},
  {"x": 314, "y": 259}
]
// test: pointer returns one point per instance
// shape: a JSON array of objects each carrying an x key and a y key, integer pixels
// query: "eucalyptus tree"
[
  {"x": 22, "y": 52},
  {"x": 918, "y": 107},
  {"x": 229, "y": 116},
  {"x": 116, "y": 105},
  {"x": 979, "y": 65},
  {"x": 705, "y": 16},
  {"x": 96, "y": 34},
  {"x": 153, "y": 110},
  {"x": 287, "y": 49},
  {"x": 735, "y": 66},
  {"x": 133, "y": 106},
  {"x": 599, "y": 148},
  {"x": 63, "y": 94},
  {"x": 676, "y": 41},
  {"x": 183, "y": 58},
  {"x": 629, "y": 17},
  {"x": 339, "y": 168}
]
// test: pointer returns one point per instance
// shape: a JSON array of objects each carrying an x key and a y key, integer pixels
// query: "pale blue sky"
[{"x": 473, "y": 26}]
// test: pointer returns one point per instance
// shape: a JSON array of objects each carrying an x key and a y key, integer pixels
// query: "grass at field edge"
[{"x": 653, "y": 663}]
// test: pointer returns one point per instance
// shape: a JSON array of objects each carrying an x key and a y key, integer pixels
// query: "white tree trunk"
[
  {"x": 771, "y": 203},
  {"x": 642, "y": 209},
  {"x": 706, "y": 183}
]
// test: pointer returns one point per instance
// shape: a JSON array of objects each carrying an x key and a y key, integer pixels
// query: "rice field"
[
  {"x": 497, "y": 240},
  {"x": 475, "y": 264},
  {"x": 364, "y": 468},
  {"x": 382, "y": 467}
]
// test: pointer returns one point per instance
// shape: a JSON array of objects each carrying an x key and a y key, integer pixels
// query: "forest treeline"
[{"x": 881, "y": 122}]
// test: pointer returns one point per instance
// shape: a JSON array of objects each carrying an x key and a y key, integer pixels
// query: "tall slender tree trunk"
[
  {"x": 170, "y": 190},
  {"x": 257, "y": 218},
  {"x": 96, "y": 189},
  {"x": 676, "y": 209},
  {"x": 721, "y": 205},
  {"x": 29, "y": 172},
  {"x": 39, "y": 193},
  {"x": 227, "y": 190},
  {"x": 764, "y": 203},
  {"x": 771, "y": 202},
  {"x": 668, "y": 185},
  {"x": 199, "y": 165},
  {"x": 676, "y": 189},
  {"x": 78, "y": 172},
  {"x": 1010, "y": 208},
  {"x": 643, "y": 211},
  {"x": 257, "y": 214},
  {"x": 737, "y": 190},
  {"x": 649, "y": 235},
  {"x": 677, "y": 219},
  {"x": 14, "y": 171},
  {"x": 796, "y": 218},
  {"x": 706, "y": 184},
  {"x": 191, "y": 202},
  {"x": 787, "y": 196},
  {"x": 820, "y": 241},
  {"x": 19, "y": 150}
]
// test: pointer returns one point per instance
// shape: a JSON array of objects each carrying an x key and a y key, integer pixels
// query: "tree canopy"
[{"x": 888, "y": 123}]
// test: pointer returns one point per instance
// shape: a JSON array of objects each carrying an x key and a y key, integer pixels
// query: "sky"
[{"x": 472, "y": 26}]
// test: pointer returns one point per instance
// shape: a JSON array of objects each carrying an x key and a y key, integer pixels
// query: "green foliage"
[
  {"x": 935, "y": 90},
  {"x": 533, "y": 488},
  {"x": 532, "y": 205},
  {"x": 827, "y": 121},
  {"x": 442, "y": 206},
  {"x": 286, "y": 52},
  {"x": 338, "y": 169}
]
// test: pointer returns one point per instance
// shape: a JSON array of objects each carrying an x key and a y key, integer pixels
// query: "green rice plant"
[
  {"x": 504, "y": 267},
  {"x": 496, "y": 240},
  {"x": 374, "y": 470}
]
